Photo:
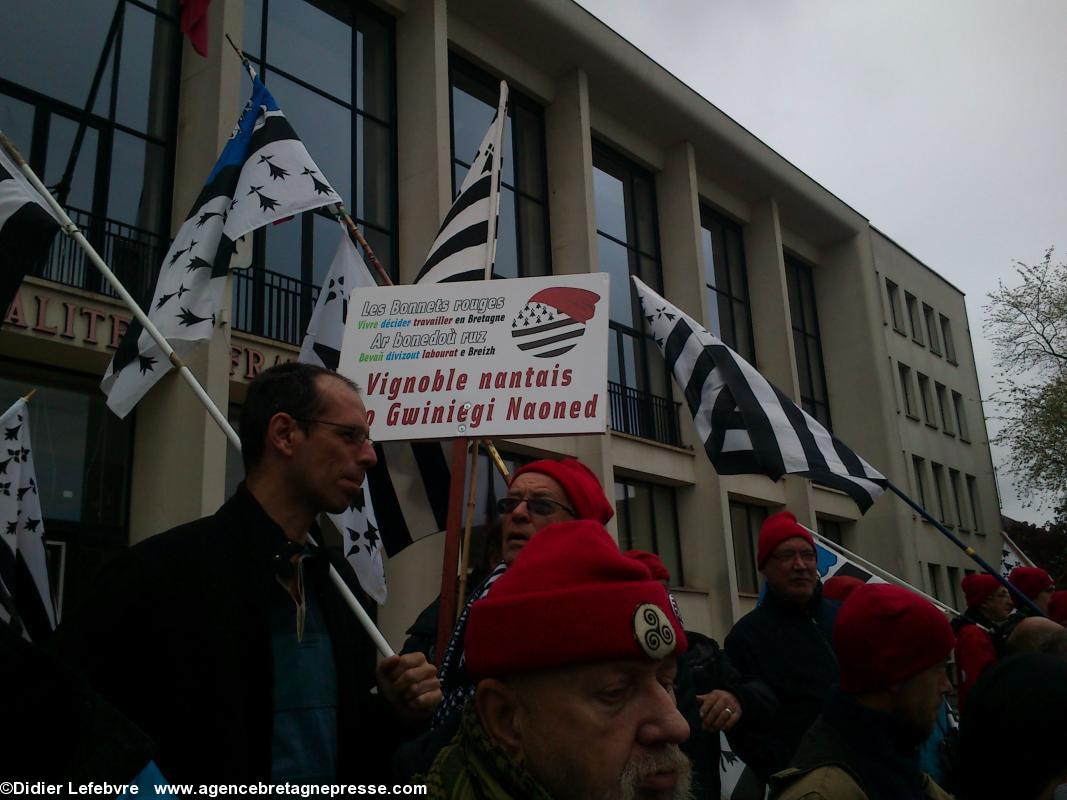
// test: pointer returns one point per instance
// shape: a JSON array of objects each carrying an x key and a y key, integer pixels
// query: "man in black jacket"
[
  {"x": 224, "y": 639},
  {"x": 785, "y": 642}
]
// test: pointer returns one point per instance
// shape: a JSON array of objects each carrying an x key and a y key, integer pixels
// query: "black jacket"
[
  {"x": 177, "y": 637},
  {"x": 703, "y": 668},
  {"x": 788, "y": 648}
]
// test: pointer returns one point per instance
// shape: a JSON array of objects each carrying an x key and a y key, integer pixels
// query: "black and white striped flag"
[
  {"x": 263, "y": 175},
  {"x": 357, "y": 525},
  {"x": 747, "y": 425},
  {"x": 27, "y": 227},
  {"x": 465, "y": 246},
  {"x": 25, "y": 595}
]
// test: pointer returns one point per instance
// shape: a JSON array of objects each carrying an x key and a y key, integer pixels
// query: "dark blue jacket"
[{"x": 789, "y": 648}]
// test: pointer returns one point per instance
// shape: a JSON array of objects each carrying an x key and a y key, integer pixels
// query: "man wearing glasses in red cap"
[{"x": 785, "y": 642}]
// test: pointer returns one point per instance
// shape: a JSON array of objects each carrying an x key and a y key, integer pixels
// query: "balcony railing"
[
  {"x": 271, "y": 304},
  {"x": 643, "y": 414},
  {"x": 134, "y": 254}
]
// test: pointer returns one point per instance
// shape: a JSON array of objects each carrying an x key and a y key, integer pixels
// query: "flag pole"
[
  {"x": 472, "y": 500},
  {"x": 29, "y": 395},
  {"x": 1016, "y": 594},
  {"x": 886, "y": 575},
  {"x": 72, "y": 231},
  {"x": 494, "y": 181}
]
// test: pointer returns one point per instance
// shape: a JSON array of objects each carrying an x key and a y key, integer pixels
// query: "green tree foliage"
[
  {"x": 1045, "y": 545},
  {"x": 1027, "y": 325}
]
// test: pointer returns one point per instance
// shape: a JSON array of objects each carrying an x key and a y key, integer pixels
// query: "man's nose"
[
  {"x": 367, "y": 455},
  {"x": 665, "y": 724}
]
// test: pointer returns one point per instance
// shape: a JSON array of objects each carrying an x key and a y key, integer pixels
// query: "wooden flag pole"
[
  {"x": 446, "y": 613},
  {"x": 29, "y": 395},
  {"x": 71, "y": 230},
  {"x": 465, "y": 551},
  {"x": 1016, "y": 594}
]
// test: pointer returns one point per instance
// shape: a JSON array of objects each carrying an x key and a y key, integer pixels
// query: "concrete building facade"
[{"x": 611, "y": 164}]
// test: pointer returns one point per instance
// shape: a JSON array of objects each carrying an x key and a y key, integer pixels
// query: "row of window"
[
  {"x": 954, "y": 594},
  {"x": 955, "y": 502},
  {"x": 925, "y": 327},
  {"x": 939, "y": 417}
]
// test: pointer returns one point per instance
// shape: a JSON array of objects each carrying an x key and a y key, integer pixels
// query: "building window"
[
  {"x": 522, "y": 248},
  {"x": 954, "y": 585},
  {"x": 931, "y": 330},
  {"x": 957, "y": 498},
  {"x": 913, "y": 317},
  {"x": 946, "y": 335},
  {"x": 121, "y": 185},
  {"x": 807, "y": 345},
  {"x": 942, "y": 404},
  {"x": 628, "y": 243},
  {"x": 906, "y": 390},
  {"x": 961, "y": 417},
  {"x": 830, "y": 528},
  {"x": 895, "y": 312},
  {"x": 82, "y": 456},
  {"x": 745, "y": 522},
  {"x": 648, "y": 520},
  {"x": 934, "y": 574},
  {"x": 927, "y": 400},
  {"x": 972, "y": 494},
  {"x": 726, "y": 279},
  {"x": 939, "y": 488},
  {"x": 341, "y": 102},
  {"x": 919, "y": 471}
]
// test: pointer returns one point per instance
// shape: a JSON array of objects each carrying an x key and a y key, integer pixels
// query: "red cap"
[
  {"x": 885, "y": 634},
  {"x": 976, "y": 588},
  {"x": 775, "y": 530},
  {"x": 1031, "y": 581},
  {"x": 579, "y": 484},
  {"x": 839, "y": 587},
  {"x": 653, "y": 562},
  {"x": 1057, "y": 607},
  {"x": 570, "y": 598}
]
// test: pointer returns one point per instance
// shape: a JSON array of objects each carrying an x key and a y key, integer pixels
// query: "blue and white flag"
[
  {"x": 25, "y": 594},
  {"x": 263, "y": 175}
]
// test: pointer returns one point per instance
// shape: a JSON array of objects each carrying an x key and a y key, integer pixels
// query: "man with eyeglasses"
[
  {"x": 539, "y": 494},
  {"x": 785, "y": 642},
  {"x": 224, "y": 639}
]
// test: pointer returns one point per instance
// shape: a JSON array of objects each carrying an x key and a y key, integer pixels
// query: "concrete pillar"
[
  {"x": 424, "y": 165},
  {"x": 179, "y": 453},
  {"x": 846, "y": 283}
]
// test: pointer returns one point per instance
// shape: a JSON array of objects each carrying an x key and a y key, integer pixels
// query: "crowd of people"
[{"x": 220, "y": 652}]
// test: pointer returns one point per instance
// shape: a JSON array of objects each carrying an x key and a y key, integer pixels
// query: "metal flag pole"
[
  {"x": 72, "y": 231},
  {"x": 885, "y": 575},
  {"x": 494, "y": 181},
  {"x": 1016, "y": 594}
]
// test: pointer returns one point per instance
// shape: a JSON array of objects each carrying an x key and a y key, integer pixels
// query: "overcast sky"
[{"x": 944, "y": 123}]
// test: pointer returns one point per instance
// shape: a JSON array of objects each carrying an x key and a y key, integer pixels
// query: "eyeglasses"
[
  {"x": 351, "y": 434},
  {"x": 538, "y": 506},
  {"x": 807, "y": 556}
]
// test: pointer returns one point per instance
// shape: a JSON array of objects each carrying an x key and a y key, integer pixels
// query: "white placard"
[{"x": 519, "y": 357}]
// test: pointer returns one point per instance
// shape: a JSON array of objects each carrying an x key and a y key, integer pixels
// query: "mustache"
[{"x": 667, "y": 758}]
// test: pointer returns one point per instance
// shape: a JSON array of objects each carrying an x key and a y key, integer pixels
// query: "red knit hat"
[
  {"x": 775, "y": 530},
  {"x": 653, "y": 562},
  {"x": 977, "y": 588},
  {"x": 885, "y": 634},
  {"x": 579, "y": 484},
  {"x": 570, "y": 598},
  {"x": 1057, "y": 607},
  {"x": 839, "y": 587},
  {"x": 1031, "y": 581}
]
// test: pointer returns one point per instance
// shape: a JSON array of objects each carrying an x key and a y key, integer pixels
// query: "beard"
[{"x": 567, "y": 780}]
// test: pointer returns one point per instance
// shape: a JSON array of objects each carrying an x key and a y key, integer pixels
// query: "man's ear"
[
  {"x": 499, "y": 712},
  {"x": 280, "y": 431}
]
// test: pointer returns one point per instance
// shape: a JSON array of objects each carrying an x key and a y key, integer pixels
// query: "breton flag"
[
  {"x": 1012, "y": 556},
  {"x": 747, "y": 425},
  {"x": 832, "y": 564},
  {"x": 27, "y": 226},
  {"x": 263, "y": 175},
  {"x": 465, "y": 247},
  {"x": 322, "y": 346},
  {"x": 25, "y": 595},
  {"x": 553, "y": 320}
]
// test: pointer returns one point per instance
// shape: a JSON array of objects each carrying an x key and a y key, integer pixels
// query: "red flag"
[{"x": 194, "y": 23}]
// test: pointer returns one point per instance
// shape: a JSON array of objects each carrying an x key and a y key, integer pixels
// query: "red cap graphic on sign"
[{"x": 553, "y": 321}]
